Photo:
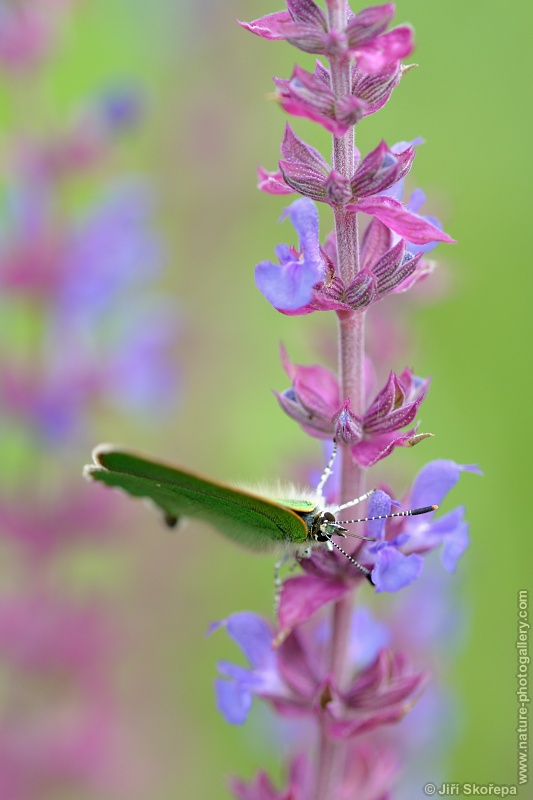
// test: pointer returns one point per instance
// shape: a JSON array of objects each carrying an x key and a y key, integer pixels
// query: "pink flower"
[
  {"x": 294, "y": 678},
  {"x": 306, "y": 171},
  {"x": 43, "y": 633},
  {"x": 368, "y": 773},
  {"x": 46, "y": 530},
  {"x": 311, "y": 96},
  {"x": 314, "y": 401},
  {"x": 305, "y": 26},
  {"x": 28, "y": 31},
  {"x": 61, "y": 750}
]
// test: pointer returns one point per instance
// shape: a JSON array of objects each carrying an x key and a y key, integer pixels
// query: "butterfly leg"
[
  {"x": 277, "y": 573},
  {"x": 277, "y": 582}
]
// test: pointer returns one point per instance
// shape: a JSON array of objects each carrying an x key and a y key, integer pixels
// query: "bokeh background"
[{"x": 207, "y": 122}]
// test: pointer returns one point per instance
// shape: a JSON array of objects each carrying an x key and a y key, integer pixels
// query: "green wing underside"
[{"x": 258, "y": 524}]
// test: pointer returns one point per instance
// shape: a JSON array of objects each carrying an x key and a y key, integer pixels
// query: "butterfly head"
[{"x": 327, "y": 527}]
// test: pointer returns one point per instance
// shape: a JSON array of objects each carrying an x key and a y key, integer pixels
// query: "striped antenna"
[
  {"x": 413, "y": 512},
  {"x": 366, "y": 572}
]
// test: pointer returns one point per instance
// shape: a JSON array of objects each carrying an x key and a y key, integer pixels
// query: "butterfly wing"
[{"x": 248, "y": 519}]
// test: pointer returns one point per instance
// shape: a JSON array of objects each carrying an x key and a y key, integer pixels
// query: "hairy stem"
[{"x": 351, "y": 374}]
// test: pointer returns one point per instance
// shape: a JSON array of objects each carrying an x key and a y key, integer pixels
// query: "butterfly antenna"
[
  {"x": 328, "y": 469},
  {"x": 413, "y": 512},
  {"x": 353, "y": 502},
  {"x": 364, "y": 570}
]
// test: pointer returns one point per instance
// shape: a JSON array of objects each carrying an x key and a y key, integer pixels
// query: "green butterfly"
[{"x": 292, "y": 522}]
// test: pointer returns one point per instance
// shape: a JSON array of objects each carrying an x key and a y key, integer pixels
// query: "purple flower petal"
[
  {"x": 242, "y": 675},
  {"x": 394, "y": 570},
  {"x": 253, "y": 636},
  {"x": 286, "y": 286},
  {"x": 415, "y": 202},
  {"x": 297, "y": 664},
  {"x": 379, "y": 505},
  {"x": 435, "y": 480},
  {"x": 233, "y": 701},
  {"x": 454, "y": 547},
  {"x": 289, "y": 285},
  {"x": 368, "y": 637},
  {"x": 234, "y": 695},
  {"x": 304, "y": 216},
  {"x": 260, "y": 788}
]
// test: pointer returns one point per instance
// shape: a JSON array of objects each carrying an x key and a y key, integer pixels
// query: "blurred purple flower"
[
  {"x": 76, "y": 271},
  {"x": 85, "y": 142},
  {"x": 119, "y": 106},
  {"x": 111, "y": 251},
  {"x": 82, "y": 268},
  {"x": 100, "y": 265},
  {"x": 139, "y": 375},
  {"x": 51, "y": 406}
]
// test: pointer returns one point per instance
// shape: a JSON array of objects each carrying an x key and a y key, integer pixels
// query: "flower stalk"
[
  {"x": 351, "y": 342},
  {"x": 324, "y": 667}
]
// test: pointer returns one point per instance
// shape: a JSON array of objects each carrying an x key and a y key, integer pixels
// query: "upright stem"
[
  {"x": 351, "y": 380},
  {"x": 351, "y": 337}
]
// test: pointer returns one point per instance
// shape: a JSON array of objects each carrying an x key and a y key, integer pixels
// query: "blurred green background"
[{"x": 209, "y": 123}]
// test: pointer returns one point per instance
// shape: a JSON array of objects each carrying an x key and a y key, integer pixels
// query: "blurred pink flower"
[{"x": 28, "y": 31}]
